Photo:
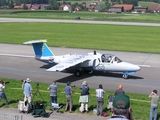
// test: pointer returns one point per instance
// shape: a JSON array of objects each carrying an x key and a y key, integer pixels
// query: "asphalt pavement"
[{"x": 10, "y": 113}]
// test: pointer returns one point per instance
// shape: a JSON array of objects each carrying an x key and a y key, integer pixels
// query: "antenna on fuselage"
[{"x": 94, "y": 52}]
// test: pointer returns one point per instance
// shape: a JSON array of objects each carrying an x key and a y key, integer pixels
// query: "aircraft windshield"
[
  {"x": 110, "y": 58},
  {"x": 116, "y": 59}
]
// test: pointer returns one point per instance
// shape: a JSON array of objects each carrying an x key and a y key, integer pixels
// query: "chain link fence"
[{"x": 4, "y": 116}]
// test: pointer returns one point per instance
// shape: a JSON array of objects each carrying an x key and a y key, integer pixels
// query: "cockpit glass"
[
  {"x": 110, "y": 58},
  {"x": 117, "y": 60}
]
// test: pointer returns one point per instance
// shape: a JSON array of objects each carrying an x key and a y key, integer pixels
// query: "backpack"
[
  {"x": 105, "y": 114},
  {"x": 85, "y": 90}
]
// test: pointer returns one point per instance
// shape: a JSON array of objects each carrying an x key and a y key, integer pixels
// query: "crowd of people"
[{"x": 120, "y": 109}]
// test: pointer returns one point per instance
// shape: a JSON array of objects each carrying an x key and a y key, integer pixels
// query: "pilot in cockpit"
[
  {"x": 106, "y": 59},
  {"x": 103, "y": 58},
  {"x": 109, "y": 58}
]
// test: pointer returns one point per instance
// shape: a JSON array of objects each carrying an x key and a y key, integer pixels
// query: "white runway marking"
[
  {"x": 14, "y": 55},
  {"x": 144, "y": 65}
]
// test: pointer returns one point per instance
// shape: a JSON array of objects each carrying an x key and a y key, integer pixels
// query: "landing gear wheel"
[
  {"x": 77, "y": 73},
  {"x": 125, "y": 76}
]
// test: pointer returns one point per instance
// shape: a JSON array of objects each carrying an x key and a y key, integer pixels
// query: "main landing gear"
[{"x": 77, "y": 73}]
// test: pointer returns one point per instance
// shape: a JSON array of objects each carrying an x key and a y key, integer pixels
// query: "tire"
[{"x": 77, "y": 73}]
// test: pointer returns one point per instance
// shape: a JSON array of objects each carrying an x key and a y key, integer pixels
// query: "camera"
[
  {"x": 5, "y": 82},
  {"x": 24, "y": 81},
  {"x": 37, "y": 84},
  {"x": 73, "y": 86}
]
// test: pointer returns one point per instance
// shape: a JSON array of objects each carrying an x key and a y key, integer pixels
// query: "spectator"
[
  {"x": 68, "y": 91},
  {"x": 2, "y": 93},
  {"x": 154, "y": 104},
  {"x": 119, "y": 90},
  {"x": 121, "y": 108},
  {"x": 100, "y": 101},
  {"x": 84, "y": 98},
  {"x": 27, "y": 91},
  {"x": 53, "y": 92}
]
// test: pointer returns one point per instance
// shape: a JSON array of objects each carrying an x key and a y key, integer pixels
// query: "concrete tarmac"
[{"x": 11, "y": 112}]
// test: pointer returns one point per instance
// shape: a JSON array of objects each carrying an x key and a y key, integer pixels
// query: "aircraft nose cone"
[{"x": 136, "y": 68}]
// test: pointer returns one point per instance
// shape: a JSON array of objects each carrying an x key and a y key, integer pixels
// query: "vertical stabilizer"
[{"x": 40, "y": 48}]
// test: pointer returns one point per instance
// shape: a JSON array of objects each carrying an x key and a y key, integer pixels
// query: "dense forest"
[{"x": 52, "y": 3}]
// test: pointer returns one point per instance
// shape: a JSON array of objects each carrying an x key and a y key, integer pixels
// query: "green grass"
[
  {"x": 14, "y": 93},
  {"x": 103, "y": 37},
  {"x": 146, "y": 4},
  {"x": 93, "y": 16}
]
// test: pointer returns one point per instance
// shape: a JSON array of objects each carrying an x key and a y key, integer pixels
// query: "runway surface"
[
  {"x": 77, "y": 21},
  {"x": 17, "y": 62}
]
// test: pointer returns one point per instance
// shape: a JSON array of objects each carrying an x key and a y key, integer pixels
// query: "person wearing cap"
[
  {"x": 154, "y": 104},
  {"x": 84, "y": 98},
  {"x": 121, "y": 108},
  {"x": 119, "y": 90},
  {"x": 53, "y": 92},
  {"x": 27, "y": 90},
  {"x": 2, "y": 93},
  {"x": 100, "y": 99},
  {"x": 68, "y": 92}
]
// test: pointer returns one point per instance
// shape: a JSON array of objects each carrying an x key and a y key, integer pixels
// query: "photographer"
[
  {"x": 84, "y": 98},
  {"x": 2, "y": 94},
  {"x": 68, "y": 91},
  {"x": 53, "y": 88},
  {"x": 154, "y": 104},
  {"x": 27, "y": 90}
]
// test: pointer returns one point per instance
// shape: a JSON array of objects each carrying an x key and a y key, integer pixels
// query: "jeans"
[
  {"x": 153, "y": 109},
  {"x": 53, "y": 99},
  {"x": 100, "y": 106},
  {"x": 3, "y": 95}
]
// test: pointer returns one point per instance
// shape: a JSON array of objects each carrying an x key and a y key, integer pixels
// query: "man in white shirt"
[{"x": 100, "y": 101}]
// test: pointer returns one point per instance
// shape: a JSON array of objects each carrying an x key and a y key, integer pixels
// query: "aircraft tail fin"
[{"x": 42, "y": 51}]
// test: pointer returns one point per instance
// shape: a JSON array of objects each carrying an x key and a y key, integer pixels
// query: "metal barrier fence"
[{"x": 10, "y": 117}]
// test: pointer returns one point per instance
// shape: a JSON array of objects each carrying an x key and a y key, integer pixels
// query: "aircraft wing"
[{"x": 72, "y": 61}]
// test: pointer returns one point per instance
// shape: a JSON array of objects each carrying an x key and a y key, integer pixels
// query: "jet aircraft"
[{"x": 84, "y": 62}]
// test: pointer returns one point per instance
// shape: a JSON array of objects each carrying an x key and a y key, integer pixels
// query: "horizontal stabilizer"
[{"x": 35, "y": 41}]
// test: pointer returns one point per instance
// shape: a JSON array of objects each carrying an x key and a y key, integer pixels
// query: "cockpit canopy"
[{"x": 109, "y": 58}]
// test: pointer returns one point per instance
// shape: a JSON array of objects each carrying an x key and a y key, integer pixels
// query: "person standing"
[
  {"x": 68, "y": 92},
  {"x": 154, "y": 104},
  {"x": 53, "y": 92},
  {"x": 2, "y": 93},
  {"x": 119, "y": 90},
  {"x": 84, "y": 98},
  {"x": 100, "y": 99},
  {"x": 27, "y": 91}
]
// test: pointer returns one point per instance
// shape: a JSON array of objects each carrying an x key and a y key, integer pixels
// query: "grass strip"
[
  {"x": 101, "y": 37},
  {"x": 140, "y": 103}
]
